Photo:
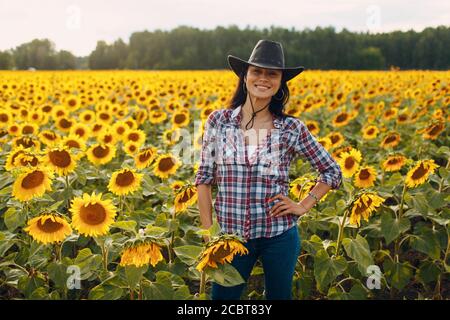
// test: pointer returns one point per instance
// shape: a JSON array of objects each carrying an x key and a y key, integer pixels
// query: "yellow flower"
[
  {"x": 391, "y": 140},
  {"x": 91, "y": 215},
  {"x": 185, "y": 198},
  {"x": 145, "y": 157},
  {"x": 32, "y": 183},
  {"x": 48, "y": 228},
  {"x": 419, "y": 174},
  {"x": 100, "y": 154},
  {"x": 61, "y": 160},
  {"x": 349, "y": 162},
  {"x": 365, "y": 177},
  {"x": 180, "y": 119},
  {"x": 394, "y": 163},
  {"x": 124, "y": 181},
  {"x": 221, "y": 251},
  {"x": 165, "y": 165},
  {"x": 141, "y": 254},
  {"x": 370, "y": 132},
  {"x": 364, "y": 206}
]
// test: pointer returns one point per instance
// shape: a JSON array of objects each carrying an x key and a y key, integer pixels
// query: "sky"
[{"x": 77, "y": 25}]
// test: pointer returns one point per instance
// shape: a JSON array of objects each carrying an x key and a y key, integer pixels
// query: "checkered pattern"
[{"x": 245, "y": 184}]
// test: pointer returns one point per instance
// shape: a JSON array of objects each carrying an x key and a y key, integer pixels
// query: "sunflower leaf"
[
  {"x": 188, "y": 254},
  {"x": 14, "y": 218},
  {"x": 358, "y": 249},
  {"x": 392, "y": 228},
  {"x": 225, "y": 275},
  {"x": 327, "y": 268}
]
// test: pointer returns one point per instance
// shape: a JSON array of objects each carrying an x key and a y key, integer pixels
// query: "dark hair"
[{"x": 276, "y": 107}]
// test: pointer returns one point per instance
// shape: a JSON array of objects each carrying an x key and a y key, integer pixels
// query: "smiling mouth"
[{"x": 262, "y": 87}]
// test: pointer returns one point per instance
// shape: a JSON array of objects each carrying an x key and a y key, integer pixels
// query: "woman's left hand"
[{"x": 285, "y": 206}]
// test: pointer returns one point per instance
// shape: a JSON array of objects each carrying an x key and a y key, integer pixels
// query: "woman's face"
[{"x": 263, "y": 83}]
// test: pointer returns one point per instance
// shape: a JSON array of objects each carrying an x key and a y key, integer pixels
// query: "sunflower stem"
[
  {"x": 202, "y": 282},
  {"x": 341, "y": 231},
  {"x": 402, "y": 200}
]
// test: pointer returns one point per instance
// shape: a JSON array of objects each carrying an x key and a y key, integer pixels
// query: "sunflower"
[
  {"x": 136, "y": 135},
  {"x": 10, "y": 162},
  {"x": 48, "y": 228},
  {"x": 432, "y": 131},
  {"x": 370, "y": 132},
  {"x": 81, "y": 130},
  {"x": 61, "y": 160},
  {"x": 29, "y": 129},
  {"x": 325, "y": 142},
  {"x": 420, "y": 172},
  {"x": 73, "y": 142},
  {"x": 180, "y": 119},
  {"x": 91, "y": 215},
  {"x": 156, "y": 117},
  {"x": 171, "y": 136},
  {"x": 6, "y": 118},
  {"x": 64, "y": 124},
  {"x": 391, "y": 140},
  {"x": 341, "y": 119},
  {"x": 119, "y": 129},
  {"x": 336, "y": 139},
  {"x": 32, "y": 183},
  {"x": 87, "y": 117},
  {"x": 27, "y": 143},
  {"x": 394, "y": 163},
  {"x": 365, "y": 177},
  {"x": 107, "y": 137},
  {"x": 145, "y": 157},
  {"x": 26, "y": 159},
  {"x": 49, "y": 137},
  {"x": 177, "y": 185},
  {"x": 72, "y": 102},
  {"x": 220, "y": 251},
  {"x": 165, "y": 165},
  {"x": 100, "y": 154},
  {"x": 124, "y": 181},
  {"x": 141, "y": 254},
  {"x": 13, "y": 129},
  {"x": 185, "y": 198},
  {"x": 349, "y": 162},
  {"x": 313, "y": 127},
  {"x": 131, "y": 148},
  {"x": 364, "y": 206}
]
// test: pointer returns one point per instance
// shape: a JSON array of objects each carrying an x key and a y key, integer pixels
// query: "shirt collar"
[{"x": 236, "y": 118}]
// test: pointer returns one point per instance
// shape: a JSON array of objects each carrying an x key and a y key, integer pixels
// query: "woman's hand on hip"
[{"x": 285, "y": 206}]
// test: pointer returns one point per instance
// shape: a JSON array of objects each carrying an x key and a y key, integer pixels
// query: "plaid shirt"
[{"x": 245, "y": 184}]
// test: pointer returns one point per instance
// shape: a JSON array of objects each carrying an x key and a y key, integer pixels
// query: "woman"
[{"x": 246, "y": 151}]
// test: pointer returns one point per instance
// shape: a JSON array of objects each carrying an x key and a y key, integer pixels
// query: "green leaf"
[
  {"x": 14, "y": 218},
  {"x": 105, "y": 292},
  {"x": 327, "y": 268},
  {"x": 125, "y": 225},
  {"x": 394, "y": 180},
  {"x": 392, "y": 228},
  {"x": 188, "y": 254},
  {"x": 156, "y": 291},
  {"x": 398, "y": 273},
  {"x": 426, "y": 242},
  {"x": 155, "y": 231},
  {"x": 214, "y": 230},
  {"x": 358, "y": 249},
  {"x": 357, "y": 292},
  {"x": 57, "y": 272},
  {"x": 428, "y": 272},
  {"x": 134, "y": 274},
  {"x": 55, "y": 206},
  {"x": 182, "y": 293},
  {"x": 225, "y": 275}
]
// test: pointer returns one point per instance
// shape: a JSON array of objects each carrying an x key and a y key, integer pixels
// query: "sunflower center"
[
  {"x": 371, "y": 131},
  {"x": 33, "y": 180},
  {"x": 120, "y": 130},
  {"x": 65, "y": 123},
  {"x": 220, "y": 253},
  {"x": 342, "y": 117},
  {"x": 362, "y": 207},
  {"x": 435, "y": 130},
  {"x": 4, "y": 118},
  {"x": 393, "y": 161},
  {"x": 179, "y": 118},
  {"x": 80, "y": 132},
  {"x": 364, "y": 174},
  {"x": 93, "y": 214},
  {"x": 60, "y": 158},
  {"x": 125, "y": 179},
  {"x": 419, "y": 172},
  {"x": 33, "y": 161},
  {"x": 50, "y": 136},
  {"x": 133, "y": 137},
  {"x": 100, "y": 152},
  {"x": 349, "y": 162},
  {"x": 185, "y": 197},
  {"x": 28, "y": 130},
  {"x": 49, "y": 226},
  {"x": 165, "y": 164},
  {"x": 73, "y": 144},
  {"x": 72, "y": 102},
  {"x": 390, "y": 139},
  {"x": 104, "y": 116}
]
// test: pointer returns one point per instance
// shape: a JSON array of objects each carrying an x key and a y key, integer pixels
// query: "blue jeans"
[{"x": 278, "y": 255}]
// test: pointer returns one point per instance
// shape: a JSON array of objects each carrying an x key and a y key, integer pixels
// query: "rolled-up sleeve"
[
  {"x": 308, "y": 146},
  {"x": 206, "y": 170}
]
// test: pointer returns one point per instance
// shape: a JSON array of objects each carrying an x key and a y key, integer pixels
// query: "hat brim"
[{"x": 238, "y": 65}]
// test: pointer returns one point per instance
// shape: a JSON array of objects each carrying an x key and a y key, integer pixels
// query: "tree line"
[{"x": 191, "y": 48}]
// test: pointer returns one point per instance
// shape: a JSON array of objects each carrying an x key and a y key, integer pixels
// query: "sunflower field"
[{"x": 97, "y": 202}]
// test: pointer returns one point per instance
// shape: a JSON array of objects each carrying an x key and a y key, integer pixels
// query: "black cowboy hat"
[{"x": 266, "y": 54}]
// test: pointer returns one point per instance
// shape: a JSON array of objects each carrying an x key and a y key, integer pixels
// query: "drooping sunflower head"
[
  {"x": 432, "y": 131},
  {"x": 349, "y": 162},
  {"x": 48, "y": 228},
  {"x": 165, "y": 165},
  {"x": 185, "y": 197},
  {"x": 420, "y": 173},
  {"x": 364, "y": 206},
  {"x": 91, "y": 215},
  {"x": 365, "y": 177},
  {"x": 32, "y": 183},
  {"x": 220, "y": 251},
  {"x": 140, "y": 254},
  {"x": 177, "y": 185},
  {"x": 124, "y": 181}
]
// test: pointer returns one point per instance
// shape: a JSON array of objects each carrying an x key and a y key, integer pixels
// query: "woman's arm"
[{"x": 205, "y": 206}]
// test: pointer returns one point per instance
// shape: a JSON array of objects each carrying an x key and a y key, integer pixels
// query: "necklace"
[{"x": 254, "y": 113}]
